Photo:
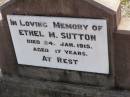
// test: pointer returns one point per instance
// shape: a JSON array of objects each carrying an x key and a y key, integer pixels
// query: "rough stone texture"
[
  {"x": 122, "y": 55},
  {"x": 3, "y": 45},
  {"x": 20, "y": 87},
  {"x": 1, "y": 55},
  {"x": 122, "y": 60},
  {"x": 65, "y": 8}
]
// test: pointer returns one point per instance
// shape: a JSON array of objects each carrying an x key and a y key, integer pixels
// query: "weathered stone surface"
[
  {"x": 122, "y": 54},
  {"x": 3, "y": 45},
  {"x": 20, "y": 87},
  {"x": 1, "y": 55},
  {"x": 65, "y": 8}
]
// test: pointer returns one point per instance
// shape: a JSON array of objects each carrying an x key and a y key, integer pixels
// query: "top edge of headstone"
[
  {"x": 2, "y": 2},
  {"x": 110, "y": 4}
]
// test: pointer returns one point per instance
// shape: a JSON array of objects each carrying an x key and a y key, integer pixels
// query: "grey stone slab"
[
  {"x": 19, "y": 87},
  {"x": 60, "y": 8}
]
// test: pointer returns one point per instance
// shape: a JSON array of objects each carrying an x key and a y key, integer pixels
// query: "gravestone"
[
  {"x": 63, "y": 47},
  {"x": 56, "y": 17}
]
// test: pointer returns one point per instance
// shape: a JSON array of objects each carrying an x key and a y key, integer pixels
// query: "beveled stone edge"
[
  {"x": 107, "y": 6},
  {"x": 112, "y": 4},
  {"x": 4, "y": 2}
]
